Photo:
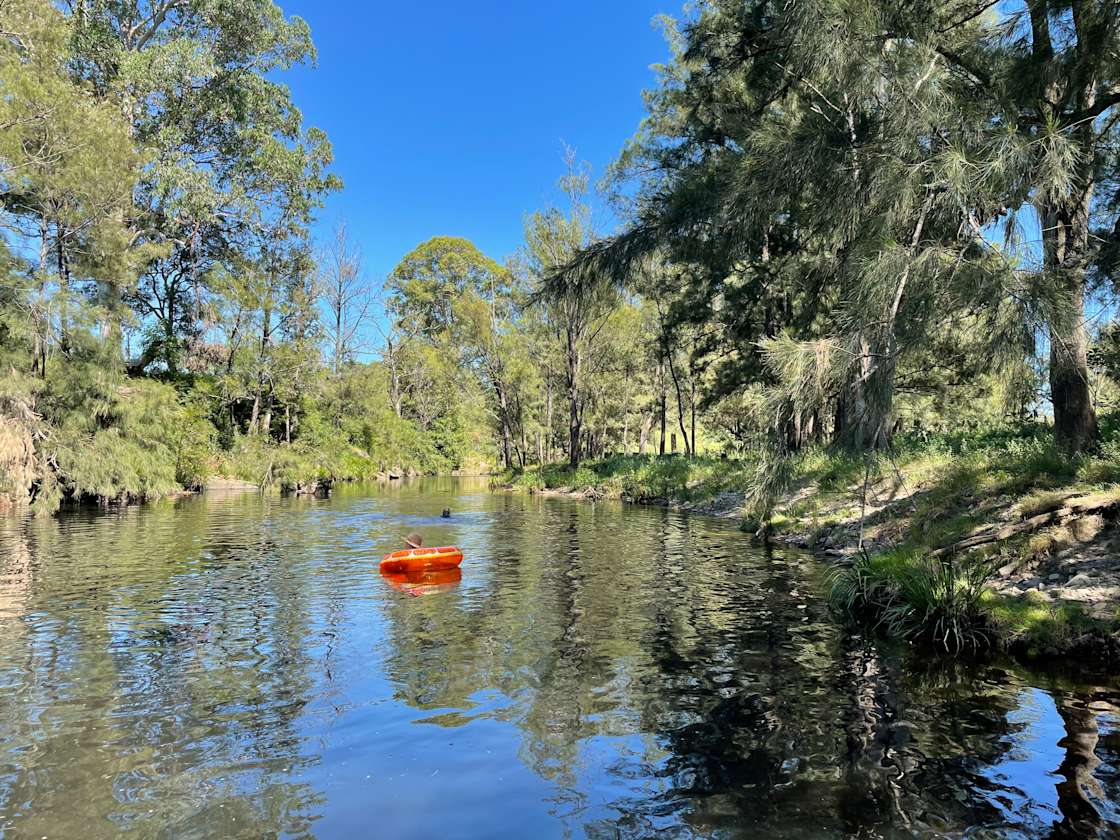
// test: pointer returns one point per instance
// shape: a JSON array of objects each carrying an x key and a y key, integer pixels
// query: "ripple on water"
[{"x": 235, "y": 666}]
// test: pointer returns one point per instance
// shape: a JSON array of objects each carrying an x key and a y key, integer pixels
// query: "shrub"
[
  {"x": 142, "y": 443},
  {"x": 915, "y": 598}
]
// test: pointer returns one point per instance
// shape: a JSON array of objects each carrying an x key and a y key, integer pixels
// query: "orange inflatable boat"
[{"x": 421, "y": 560}]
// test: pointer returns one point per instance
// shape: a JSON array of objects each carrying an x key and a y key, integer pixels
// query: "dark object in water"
[
  {"x": 320, "y": 488},
  {"x": 446, "y": 513}
]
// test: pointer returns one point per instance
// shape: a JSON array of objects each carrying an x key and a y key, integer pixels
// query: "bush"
[
  {"x": 916, "y": 598},
  {"x": 140, "y": 443}
]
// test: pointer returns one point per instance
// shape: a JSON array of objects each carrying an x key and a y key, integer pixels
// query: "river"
[{"x": 235, "y": 666}]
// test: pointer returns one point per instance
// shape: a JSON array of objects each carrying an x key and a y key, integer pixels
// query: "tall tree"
[
  {"x": 934, "y": 125},
  {"x": 1062, "y": 88},
  {"x": 462, "y": 303},
  {"x": 67, "y": 170},
  {"x": 230, "y": 166},
  {"x": 578, "y": 302},
  {"x": 347, "y": 297}
]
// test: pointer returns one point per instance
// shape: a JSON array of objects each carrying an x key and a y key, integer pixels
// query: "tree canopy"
[{"x": 840, "y": 222}]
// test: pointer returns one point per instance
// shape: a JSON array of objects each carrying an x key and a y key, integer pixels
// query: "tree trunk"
[
  {"x": 504, "y": 425},
  {"x": 258, "y": 398},
  {"x": 574, "y": 418},
  {"x": 394, "y": 377},
  {"x": 1075, "y": 421},
  {"x": 266, "y": 417},
  {"x": 170, "y": 356},
  {"x": 197, "y": 328},
  {"x": 680, "y": 405},
  {"x": 692, "y": 409},
  {"x": 643, "y": 435},
  {"x": 256, "y": 411},
  {"x": 42, "y": 325},
  {"x": 1065, "y": 245},
  {"x": 664, "y": 403},
  {"x": 859, "y": 427},
  {"x": 506, "y": 457},
  {"x": 63, "y": 287},
  {"x": 548, "y": 418},
  {"x": 840, "y": 420},
  {"x": 1065, "y": 224},
  {"x": 868, "y": 427}
]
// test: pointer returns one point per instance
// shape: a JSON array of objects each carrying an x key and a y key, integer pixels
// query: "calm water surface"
[{"x": 236, "y": 667}]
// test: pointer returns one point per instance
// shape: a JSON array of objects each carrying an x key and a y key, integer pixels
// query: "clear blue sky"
[{"x": 447, "y": 117}]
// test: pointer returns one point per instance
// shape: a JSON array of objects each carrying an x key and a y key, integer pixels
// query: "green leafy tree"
[
  {"x": 578, "y": 303},
  {"x": 461, "y": 304},
  {"x": 935, "y": 124},
  {"x": 427, "y": 281},
  {"x": 231, "y": 167}
]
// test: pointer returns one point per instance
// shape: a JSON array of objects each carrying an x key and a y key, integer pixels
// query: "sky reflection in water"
[{"x": 235, "y": 666}]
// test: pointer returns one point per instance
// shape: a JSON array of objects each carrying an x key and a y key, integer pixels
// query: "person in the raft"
[{"x": 413, "y": 540}]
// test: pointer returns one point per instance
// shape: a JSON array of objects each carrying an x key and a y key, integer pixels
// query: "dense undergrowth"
[{"x": 85, "y": 432}]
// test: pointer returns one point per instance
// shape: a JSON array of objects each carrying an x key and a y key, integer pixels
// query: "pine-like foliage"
[{"x": 842, "y": 184}]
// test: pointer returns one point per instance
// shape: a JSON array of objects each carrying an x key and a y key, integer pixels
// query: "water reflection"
[
  {"x": 431, "y": 582},
  {"x": 237, "y": 667}
]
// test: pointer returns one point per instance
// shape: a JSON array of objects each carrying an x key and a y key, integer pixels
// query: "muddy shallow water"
[{"x": 235, "y": 666}]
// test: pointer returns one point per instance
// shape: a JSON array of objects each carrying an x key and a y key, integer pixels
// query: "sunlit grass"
[
  {"x": 1038, "y": 625},
  {"x": 961, "y": 485},
  {"x": 641, "y": 478}
]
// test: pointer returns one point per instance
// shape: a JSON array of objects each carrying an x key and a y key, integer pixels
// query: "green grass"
[
  {"x": 1040, "y": 627},
  {"x": 908, "y": 596},
  {"x": 639, "y": 478},
  {"x": 963, "y": 482}
]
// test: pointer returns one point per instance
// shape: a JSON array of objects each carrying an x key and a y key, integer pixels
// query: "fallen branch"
[
  {"x": 999, "y": 534},
  {"x": 1092, "y": 503}
]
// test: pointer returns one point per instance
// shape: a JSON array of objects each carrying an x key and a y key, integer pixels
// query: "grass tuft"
[{"x": 911, "y": 597}]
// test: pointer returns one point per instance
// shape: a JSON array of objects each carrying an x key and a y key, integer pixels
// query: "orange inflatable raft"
[{"x": 411, "y": 560}]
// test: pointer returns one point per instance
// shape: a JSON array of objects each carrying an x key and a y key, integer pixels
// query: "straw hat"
[{"x": 414, "y": 540}]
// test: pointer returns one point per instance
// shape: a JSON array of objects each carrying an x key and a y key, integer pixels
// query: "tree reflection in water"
[
  {"x": 750, "y": 703},
  {"x": 239, "y": 667}
]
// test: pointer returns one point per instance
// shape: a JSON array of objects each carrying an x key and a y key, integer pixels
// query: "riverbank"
[
  {"x": 710, "y": 486},
  {"x": 969, "y": 541}
]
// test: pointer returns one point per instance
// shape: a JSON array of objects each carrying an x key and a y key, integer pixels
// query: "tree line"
[
  {"x": 166, "y": 315},
  {"x": 840, "y": 222},
  {"x": 872, "y": 204}
]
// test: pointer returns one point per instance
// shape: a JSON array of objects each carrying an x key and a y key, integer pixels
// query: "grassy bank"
[
  {"x": 699, "y": 482},
  {"x": 967, "y": 541}
]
